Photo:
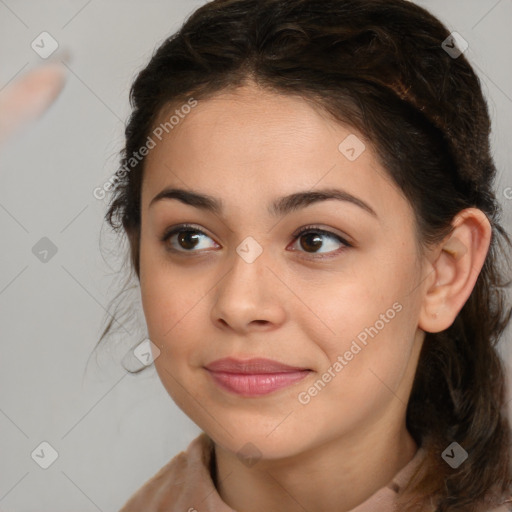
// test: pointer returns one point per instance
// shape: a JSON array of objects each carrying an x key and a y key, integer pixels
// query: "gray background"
[{"x": 112, "y": 430}]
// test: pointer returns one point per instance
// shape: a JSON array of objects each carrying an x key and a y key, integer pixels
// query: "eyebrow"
[{"x": 279, "y": 208}]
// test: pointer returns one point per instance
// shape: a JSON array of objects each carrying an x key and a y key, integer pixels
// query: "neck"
[{"x": 335, "y": 476}]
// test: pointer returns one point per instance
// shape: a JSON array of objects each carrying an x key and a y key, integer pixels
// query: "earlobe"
[{"x": 456, "y": 264}]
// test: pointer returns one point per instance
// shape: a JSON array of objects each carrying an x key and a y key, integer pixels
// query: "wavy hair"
[{"x": 381, "y": 67}]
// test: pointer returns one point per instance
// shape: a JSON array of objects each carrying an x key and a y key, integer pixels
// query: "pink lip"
[{"x": 254, "y": 377}]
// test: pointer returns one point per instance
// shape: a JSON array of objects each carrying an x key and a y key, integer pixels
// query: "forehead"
[{"x": 261, "y": 143}]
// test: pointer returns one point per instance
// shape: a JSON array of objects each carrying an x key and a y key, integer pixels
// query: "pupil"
[
  {"x": 312, "y": 236},
  {"x": 182, "y": 238}
]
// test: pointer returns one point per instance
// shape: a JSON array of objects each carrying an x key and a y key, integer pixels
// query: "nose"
[{"x": 250, "y": 296}]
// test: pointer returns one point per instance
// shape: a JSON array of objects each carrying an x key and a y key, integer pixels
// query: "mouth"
[
  {"x": 254, "y": 377},
  {"x": 251, "y": 366}
]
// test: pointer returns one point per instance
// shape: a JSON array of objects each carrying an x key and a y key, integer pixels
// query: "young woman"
[{"x": 307, "y": 190}]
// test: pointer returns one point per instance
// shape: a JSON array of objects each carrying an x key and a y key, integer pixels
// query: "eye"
[
  {"x": 310, "y": 239},
  {"x": 188, "y": 238}
]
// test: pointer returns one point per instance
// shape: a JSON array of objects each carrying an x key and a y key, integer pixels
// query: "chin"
[{"x": 256, "y": 444}]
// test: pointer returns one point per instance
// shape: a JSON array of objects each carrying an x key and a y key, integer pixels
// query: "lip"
[
  {"x": 253, "y": 366},
  {"x": 254, "y": 377}
]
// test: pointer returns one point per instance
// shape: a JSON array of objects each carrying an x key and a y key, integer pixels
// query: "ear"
[{"x": 454, "y": 266}]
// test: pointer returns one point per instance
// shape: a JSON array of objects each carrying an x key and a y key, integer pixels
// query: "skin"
[
  {"x": 27, "y": 98},
  {"x": 248, "y": 147}
]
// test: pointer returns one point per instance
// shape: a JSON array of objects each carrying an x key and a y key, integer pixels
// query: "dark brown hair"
[{"x": 379, "y": 66}]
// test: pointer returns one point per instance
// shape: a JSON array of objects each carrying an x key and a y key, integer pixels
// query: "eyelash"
[{"x": 303, "y": 231}]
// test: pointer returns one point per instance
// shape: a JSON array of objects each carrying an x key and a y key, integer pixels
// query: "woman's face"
[{"x": 247, "y": 286}]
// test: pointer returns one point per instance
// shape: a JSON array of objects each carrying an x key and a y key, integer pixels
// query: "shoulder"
[{"x": 168, "y": 485}]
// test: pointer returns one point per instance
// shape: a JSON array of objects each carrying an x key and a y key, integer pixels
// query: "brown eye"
[
  {"x": 312, "y": 239},
  {"x": 184, "y": 239},
  {"x": 188, "y": 239}
]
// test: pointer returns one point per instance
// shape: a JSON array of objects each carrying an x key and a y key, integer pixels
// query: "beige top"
[{"x": 185, "y": 484}]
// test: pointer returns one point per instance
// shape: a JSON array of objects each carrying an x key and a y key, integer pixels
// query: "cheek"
[
  {"x": 163, "y": 293},
  {"x": 370, "y": 320},
  {"x": 174, "y": 314},
  {"x": 173, "y": 302},
  {"x": 170, "y": 307}
]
